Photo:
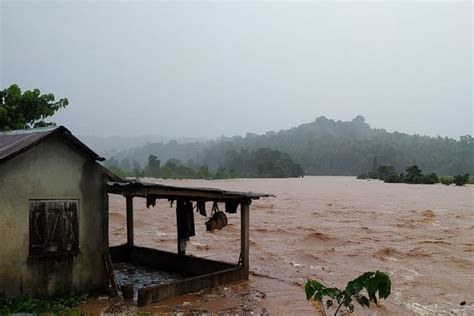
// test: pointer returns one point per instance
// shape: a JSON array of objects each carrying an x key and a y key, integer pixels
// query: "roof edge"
[
  {"x": 59, "y": 131},
  {"x": 63, "y": 131}
]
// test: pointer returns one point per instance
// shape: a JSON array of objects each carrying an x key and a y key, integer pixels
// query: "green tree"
[
  {"x": 386, "y": 172},
  {"x": 325, "y": 147},
  {"x": 432, "y": 178},
  {"x": 203, "y": 173},
  {"x": 28, "y": 109},
  {"x": 153, "y": 167},
  {"x": 112, "y": 161},
  {"x": 125, "y": 164},
  {"x": 461, "y": 180},
  {"x": 118, "y": 171},
  {"x": 466, "y": 139},
  {"x": 413, "y": 174},
  {"x": 137, "y": 169}
]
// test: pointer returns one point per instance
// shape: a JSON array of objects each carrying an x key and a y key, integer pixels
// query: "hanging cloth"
[
  {"x": 231, "y": 207},
  {"x": 150, "y": 200},
  {"x": 185, "y": 223},
  {"x": 201, "y": 208}
]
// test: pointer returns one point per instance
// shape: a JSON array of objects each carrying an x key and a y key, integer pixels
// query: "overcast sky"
[{"x": 209, "y": 69}]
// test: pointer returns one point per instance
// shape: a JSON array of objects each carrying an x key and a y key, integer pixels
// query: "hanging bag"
[{"x": 218, "y": 219}]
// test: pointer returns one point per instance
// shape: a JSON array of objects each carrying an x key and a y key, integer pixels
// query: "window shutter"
[
  {"x": 54, "y": 227},
  {"x": 37, "y": 228},
  {"x": 72, "y": 227}
]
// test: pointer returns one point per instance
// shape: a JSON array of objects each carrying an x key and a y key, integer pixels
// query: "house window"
[{"x": 54, "y": 227}]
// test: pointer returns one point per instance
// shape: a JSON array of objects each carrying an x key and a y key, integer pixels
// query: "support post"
[
  {"x": 244, "y": 236},
  {"x": 129, "y": 203}
]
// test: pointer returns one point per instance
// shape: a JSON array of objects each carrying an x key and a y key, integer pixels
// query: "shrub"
[
  {"x": 25, "y": 304},
  {"x": 446, "y": 181},
  {"x": 460, "y": 180},
  {"x": 370, "y": 283}
]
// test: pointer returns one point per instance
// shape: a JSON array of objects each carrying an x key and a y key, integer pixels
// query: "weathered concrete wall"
[{"x": 52, "y": 170}]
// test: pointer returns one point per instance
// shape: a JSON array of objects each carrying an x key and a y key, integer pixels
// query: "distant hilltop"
[{"x": 321, "y": 147}]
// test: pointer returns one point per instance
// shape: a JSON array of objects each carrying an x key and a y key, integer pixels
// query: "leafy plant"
[
  {"x": 20, "y": 110},
  {"x": 376, "y": 285},
  {"x": 446, "y": 180},
  {"x": 461, "y": 180}
]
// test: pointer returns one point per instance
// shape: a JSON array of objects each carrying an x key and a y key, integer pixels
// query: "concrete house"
[
  {"x": 54, "y": 223},
  {"x": 53, "y": 214}
]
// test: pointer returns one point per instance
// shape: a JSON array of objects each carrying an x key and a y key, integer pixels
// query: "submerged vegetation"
[
  {"x": 413, "y": 175},
  {"x": 458, "y": 180},
  {"x": 26, "y": 304},
  {"x": 262, "y": 163},
  {"x": 372, "y": 284}
]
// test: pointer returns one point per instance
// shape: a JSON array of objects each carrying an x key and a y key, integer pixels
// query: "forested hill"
[{"x": 323, "y": 147}]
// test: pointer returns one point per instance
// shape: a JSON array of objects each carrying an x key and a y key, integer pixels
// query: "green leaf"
[
  {"x": 372, "y": 287},
  {"x": 355, "y": 286},
  {"x": 372, "y": 282},
  {"x": 27, "y": 109},
  {"x": 331, "y": 292},
  {"x": 313, "y": 288},
  {"x": 384, "y": 284},
  {"x": 309, "y": 289}
]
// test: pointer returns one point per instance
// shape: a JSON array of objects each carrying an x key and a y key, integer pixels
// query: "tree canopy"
[
  {"x": 28, "y": 109},
  {"x": 412, "y": 175},
  {"x": 325, "y": 147},
  {"x": 264, "y": 162}
]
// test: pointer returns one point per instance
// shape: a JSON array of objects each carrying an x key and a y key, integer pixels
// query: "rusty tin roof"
[
  {"x": 13, "y": 143},
  {"x": 164, "y": 191}
]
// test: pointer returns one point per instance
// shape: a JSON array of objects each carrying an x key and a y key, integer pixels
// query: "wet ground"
[{"x": 332, "y": 229}]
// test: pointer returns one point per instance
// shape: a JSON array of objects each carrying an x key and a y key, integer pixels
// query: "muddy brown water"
[{"x": 333, "y": 229}]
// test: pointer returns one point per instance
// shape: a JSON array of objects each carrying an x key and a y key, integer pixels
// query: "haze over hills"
[
  {"x": 321, "y": 147},
  {"x": 113, "y": 145}
]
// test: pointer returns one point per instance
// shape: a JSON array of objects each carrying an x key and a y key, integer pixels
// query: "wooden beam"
[
  {"x": 110, "y": 275},
  {"x": 105, "y": 225},
  {"x": 244, "y": 236},
  {"x": 129, "y": 203},
  {"x": 174, "y": 193}
]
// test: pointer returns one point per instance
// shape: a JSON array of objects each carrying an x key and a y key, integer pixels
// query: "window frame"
[{"x": 41, "y": 244}]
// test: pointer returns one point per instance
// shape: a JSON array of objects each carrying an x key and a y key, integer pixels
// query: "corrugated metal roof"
[
  {"x": 144, "y": 189},
  {"x": 15, "y": 142}
]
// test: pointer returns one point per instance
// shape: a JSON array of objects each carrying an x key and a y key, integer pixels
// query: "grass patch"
[{"x": 26, "y": 304}]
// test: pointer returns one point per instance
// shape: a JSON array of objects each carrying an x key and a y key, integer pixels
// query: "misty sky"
[{"x": 208, "y": 69}]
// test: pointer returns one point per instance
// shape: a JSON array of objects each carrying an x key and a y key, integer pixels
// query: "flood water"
[{"x": 333, "y": 229}]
